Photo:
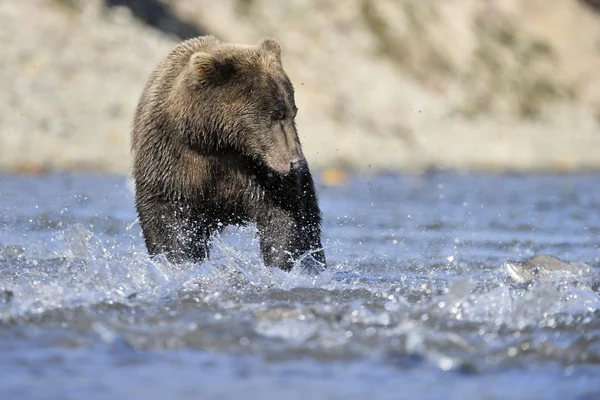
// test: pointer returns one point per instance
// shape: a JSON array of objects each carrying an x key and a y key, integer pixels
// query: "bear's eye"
[{"x": 278, "y": 115}]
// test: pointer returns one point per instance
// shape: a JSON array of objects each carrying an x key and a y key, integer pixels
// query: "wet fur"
[{"x": 206, "y": 154}]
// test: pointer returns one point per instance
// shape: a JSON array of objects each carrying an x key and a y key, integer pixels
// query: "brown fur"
[{"x": 214, "y": 143}]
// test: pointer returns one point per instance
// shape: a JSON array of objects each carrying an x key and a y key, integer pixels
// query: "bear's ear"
[
  {"x": 210, "y": 69},
  {"x": 272, "y": 47}
]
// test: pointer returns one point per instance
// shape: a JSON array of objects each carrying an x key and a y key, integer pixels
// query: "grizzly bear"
[{"x": 214, "y": 143}]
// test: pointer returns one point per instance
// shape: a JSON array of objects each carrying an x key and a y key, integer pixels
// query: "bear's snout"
[{"x": 299, "y": 165}]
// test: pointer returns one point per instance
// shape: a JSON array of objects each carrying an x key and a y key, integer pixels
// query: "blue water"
[{"x": 417, "y": 302}]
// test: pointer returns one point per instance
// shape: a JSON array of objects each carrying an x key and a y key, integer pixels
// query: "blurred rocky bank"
[{"x": 381, "y": 84}]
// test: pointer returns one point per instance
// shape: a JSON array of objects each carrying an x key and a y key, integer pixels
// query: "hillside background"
[{"x": 381, "y": 84}]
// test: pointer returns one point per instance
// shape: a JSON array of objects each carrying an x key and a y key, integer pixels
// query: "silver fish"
[{"x": 542, "y": 266}]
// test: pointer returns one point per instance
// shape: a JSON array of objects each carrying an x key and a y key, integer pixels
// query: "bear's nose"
[{"x": 298, "y": 165}]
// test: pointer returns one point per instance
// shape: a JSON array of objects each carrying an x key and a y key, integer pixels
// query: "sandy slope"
[{"x": 381, "y": 84}]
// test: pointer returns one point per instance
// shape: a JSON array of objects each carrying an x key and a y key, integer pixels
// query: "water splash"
[{"x": 424, "y": 294}]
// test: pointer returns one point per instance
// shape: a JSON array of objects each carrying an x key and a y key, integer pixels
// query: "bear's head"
[{"x": 244, "y": 102}]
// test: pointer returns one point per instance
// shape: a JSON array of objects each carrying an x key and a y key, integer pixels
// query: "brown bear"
[{"x": 214, "y": 143}]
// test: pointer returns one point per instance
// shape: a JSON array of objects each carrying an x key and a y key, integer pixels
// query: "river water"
[{"x": 416, "y": 303}]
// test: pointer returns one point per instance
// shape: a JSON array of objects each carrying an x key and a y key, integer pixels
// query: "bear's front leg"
[
  {"x": 286, "y": 239},
  {"x": 173, "y": 231}
]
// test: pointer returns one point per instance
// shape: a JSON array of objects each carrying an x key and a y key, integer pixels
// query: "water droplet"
[{"x": 446, "y": 364}]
